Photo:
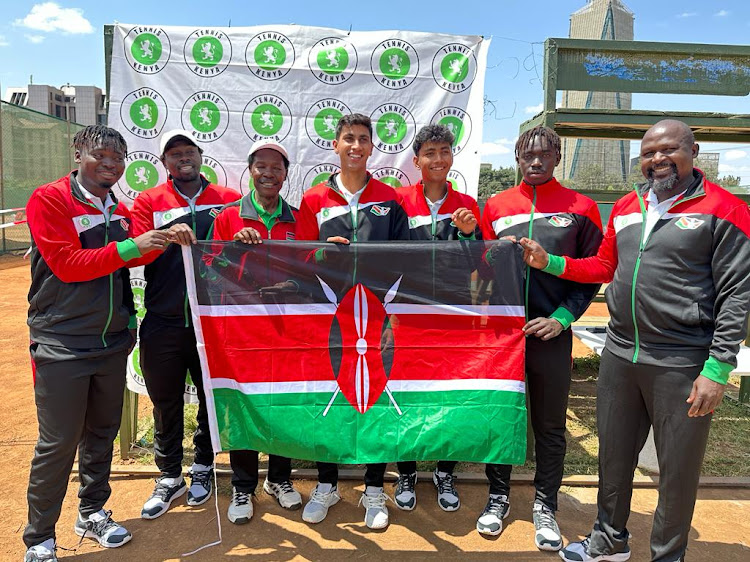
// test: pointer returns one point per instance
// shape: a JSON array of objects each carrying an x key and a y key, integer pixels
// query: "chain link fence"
[{"x": 35, "y": 148}]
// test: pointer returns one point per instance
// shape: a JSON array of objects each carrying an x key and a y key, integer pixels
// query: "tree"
[
  {"x": 492, "y": 181},
  {"x": 729, "y": 181}
]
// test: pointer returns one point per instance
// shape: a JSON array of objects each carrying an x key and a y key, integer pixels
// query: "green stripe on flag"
[{"x": 472, "y": 426}]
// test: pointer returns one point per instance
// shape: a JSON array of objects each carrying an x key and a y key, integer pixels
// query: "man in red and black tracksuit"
[
  {"x": 570, "y": 223},
  {"x": 351, "y": 207},
  {"x": 260, "y": 215},
  {"x": 81, "y": 323},
  {"x": 437, "y": 212},
  {"x": 186, "y": 203},
  {"x": 678, "y": 257}
]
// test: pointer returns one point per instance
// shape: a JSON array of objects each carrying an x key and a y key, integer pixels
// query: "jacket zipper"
[
  {"x": 528, "y": 268},
  {"x": 642, "y": 246}
]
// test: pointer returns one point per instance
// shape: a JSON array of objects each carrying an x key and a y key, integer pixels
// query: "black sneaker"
[
  {"x": 405, "y": 496},
  {"x": 162, "y": 497},
  {"x": 102, "y": 528},
  {"x": 491, "y": 520},
  {"x": 200, "y": 485},
  {"x": 447, "y": 496}
]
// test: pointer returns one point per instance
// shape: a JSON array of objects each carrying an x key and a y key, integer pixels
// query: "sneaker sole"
[
  {"x": 548, "y": 547},
  {"x": 293, "y": 507},
  {"x": 179, "y": 494},
  {"x": 619, "y": 557},
  {"x": 404, "y": 507},
  {"x": 84, "y": 533},
  {"x": 334, "y": 502},
  {"x": 239, "y": 520}
]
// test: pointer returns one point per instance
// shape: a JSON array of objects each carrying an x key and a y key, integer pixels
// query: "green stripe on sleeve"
[
  {"x": 716, "y": 370},
  {"x": 563, "y": 316},
  {"x": 556, "y": 265},
  {"x": 128, "y": 250}
]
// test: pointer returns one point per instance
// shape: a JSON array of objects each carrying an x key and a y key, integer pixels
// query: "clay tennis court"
[{"x": 721, "y": 526}]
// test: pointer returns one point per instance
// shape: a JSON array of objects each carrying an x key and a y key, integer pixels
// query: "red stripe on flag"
[{"x": 295, "y": 348}]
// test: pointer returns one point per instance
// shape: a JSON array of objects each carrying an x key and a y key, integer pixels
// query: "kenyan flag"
[{"x": 371, "y": 352}]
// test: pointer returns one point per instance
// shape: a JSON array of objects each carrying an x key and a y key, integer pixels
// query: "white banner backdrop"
[{"x": 232, "y": 86}]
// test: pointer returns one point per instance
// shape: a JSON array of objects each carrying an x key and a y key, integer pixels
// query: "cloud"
[
  {"x": 498, "y": 147},
  {"x": 735, "y": 154},
  {"x": 721, "y": 13},
  {"x": 50, "y": 16},
  {"x": 3, "y": 41},
  {"x": 36, "y": 39},
  {"x": 687, "y": 15},
  {"x": 533, "y": 109}
]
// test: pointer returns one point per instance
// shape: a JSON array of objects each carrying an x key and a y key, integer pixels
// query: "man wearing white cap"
[
  {"x": 186, "y": 205},
  {"x": 260, "y": 215}
]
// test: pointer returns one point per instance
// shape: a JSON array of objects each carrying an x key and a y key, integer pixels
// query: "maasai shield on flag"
[{"x": 373, "y": 352}]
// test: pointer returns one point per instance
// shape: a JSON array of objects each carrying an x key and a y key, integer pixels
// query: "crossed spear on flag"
[{"x": 362, "y": 372}]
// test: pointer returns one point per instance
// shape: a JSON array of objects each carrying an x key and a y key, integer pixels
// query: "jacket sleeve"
[
  {"x": 400, "y": 221},
  {"x": 142, "y": 221},
  {"x": 580, "y": 295},
  {"x": 730, "y": 267},
  {"x": 478, "y": 228},
  {"x": 595, "y": 269},
  {"x": 488, "y": 233},
  {"x": 307, "y": 223},
  {"x": 52, "y": 229}
]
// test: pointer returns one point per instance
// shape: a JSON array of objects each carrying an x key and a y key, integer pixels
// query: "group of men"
[{"x": 680, "y": 239}]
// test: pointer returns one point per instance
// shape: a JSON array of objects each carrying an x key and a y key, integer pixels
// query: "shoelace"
[
  {"x": 406, "y": 483},
  {"x": 284, "y": 487},
  {"x": 374, "y": 501},
  {"x": 320, "y": 497},
  {"x": 240, "y": 498},
  {"x": 202, "y": 478},
  {"x": 161, "y": 491},
  {"x": 546, "y": 518},
  {"x": 99, "y": 528},
  {"x": 495, "y": 505},
  {"x": 445, "y": 484}
]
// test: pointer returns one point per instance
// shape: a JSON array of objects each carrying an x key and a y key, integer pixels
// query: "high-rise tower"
[{"x": 608, "y": 20}]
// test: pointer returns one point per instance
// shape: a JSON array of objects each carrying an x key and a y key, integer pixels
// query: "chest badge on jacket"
[
  {"x": 379, "y": 210},
  {"x": 688, "y": 223},
  {"x": 560, "y": 222}
]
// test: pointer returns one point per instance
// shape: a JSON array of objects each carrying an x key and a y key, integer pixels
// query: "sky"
[{"x": 62, "y": 42}]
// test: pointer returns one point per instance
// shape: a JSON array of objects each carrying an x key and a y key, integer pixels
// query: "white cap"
[
  {"x": 169, "y": 136},
  {"x": 265, "y": 143}
]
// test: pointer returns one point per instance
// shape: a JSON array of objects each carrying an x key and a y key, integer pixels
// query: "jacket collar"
[
  {"x": 696, "y": 188},
  {"x": 331, "y": 183},
  {"x": 75, "y": 190},
  {"x": 247, "y": 210},
  {"x": 528, "y": 189},
  {"x": 204, "y": 184},
  {"x": 450, "y": 195}
]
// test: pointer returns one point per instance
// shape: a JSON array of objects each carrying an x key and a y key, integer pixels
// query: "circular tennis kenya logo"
[
  {"x": 267, "y": 117},
  {"x": 394, "y": 64},
  {"x": 270, "y": 55},
  {"x": 457, "y": 181},
  {"x": 332, "y": 60},
  {"x": 391, "y": 176},
  {"x": 321, "y": 121},
  {"x": 147, "y": 49},
  {"x": 205, "y": 114},
  {"x": 454, "y": 67},
  {"x": 458, "y": 122},
  {"x": 394, "y": 128},
  {"x": 213, "y": 171},
  {"x": 143, "y": 171},
  {"x": 208, "y": 52},
  {"x": 143, "y": 113},
  {"x": 319, "y": 174}
]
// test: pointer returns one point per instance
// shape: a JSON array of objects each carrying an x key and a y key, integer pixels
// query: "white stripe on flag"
[
  {"x": 300, "y": 387},
  {"x": 324, "y": 309}
]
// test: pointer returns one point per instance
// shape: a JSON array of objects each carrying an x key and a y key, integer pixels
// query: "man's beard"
[{"x": 665, "y": 185}]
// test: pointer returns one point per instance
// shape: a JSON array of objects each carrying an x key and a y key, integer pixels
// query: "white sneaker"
[
  {"x": 546, "y": 531},
  {"x": 447, "y": 495},
  {"x": 405, "y": 497},
  {"x": 240, "y": 508},
  {"x": 490, "y": 522},
  {"x": 285, "y": 494},
  {"x": 323, "y": 496},
  {"x": 102, "y": 528},
  {"x": 579, "y": 552},
  {"x": 165, "y": 492},
  {"x": 42, "y": 552},
  {"x": 376, "y": 512}
]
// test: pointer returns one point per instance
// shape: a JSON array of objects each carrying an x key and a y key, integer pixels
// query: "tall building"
[
  {"x": 607, "y": 20},
  {"x": 79, "y": 104}
]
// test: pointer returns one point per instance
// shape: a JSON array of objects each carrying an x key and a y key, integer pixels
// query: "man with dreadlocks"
[
  {"x": 570, "y": 223},
  {"x": 82, "y": 324}
]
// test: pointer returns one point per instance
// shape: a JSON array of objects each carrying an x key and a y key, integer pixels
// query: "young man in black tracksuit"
[
  {"x": 677, "y": 254},
  {"x": 570, "y": 223},
  {"x": 351, "y": 207},
  {"x": 436, "y": 212},
  {"x": 186, "y": 205},
  {"x": 81, "y": 323}
]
